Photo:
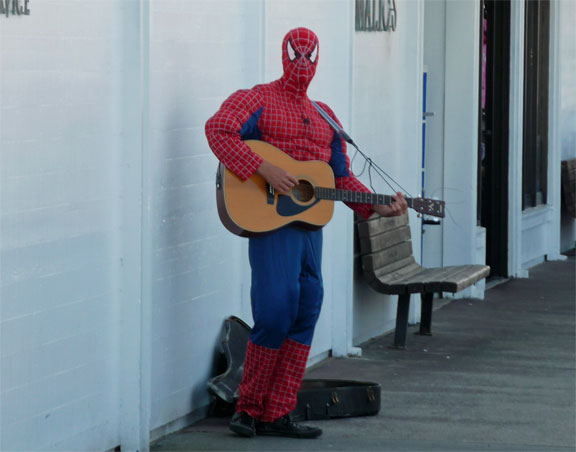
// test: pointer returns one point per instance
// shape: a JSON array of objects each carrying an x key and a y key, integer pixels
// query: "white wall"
[
  {"x": 61, "y": 73},
  {"x": 386, "y": 124}
]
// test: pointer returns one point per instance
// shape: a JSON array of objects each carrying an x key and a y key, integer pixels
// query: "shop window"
[{"x": 536, "y": 66}]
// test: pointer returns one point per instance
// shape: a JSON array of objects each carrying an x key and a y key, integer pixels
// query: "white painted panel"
[
  {"x": 60, "y": 135},
  {"x": 535, "y": 229}
]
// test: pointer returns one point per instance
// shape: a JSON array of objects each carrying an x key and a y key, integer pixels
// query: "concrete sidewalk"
[{"x": 498, "y": 375}]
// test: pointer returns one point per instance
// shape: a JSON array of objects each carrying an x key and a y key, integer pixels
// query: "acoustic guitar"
[{"x": 252, "y": 207}]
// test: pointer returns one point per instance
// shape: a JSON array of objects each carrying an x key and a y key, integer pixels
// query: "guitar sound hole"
[{"x": 304, "y": 191}]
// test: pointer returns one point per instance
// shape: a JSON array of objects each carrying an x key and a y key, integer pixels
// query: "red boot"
[
  {"x": 256, "y": 380},
  {"x": 287, "y": 379}
]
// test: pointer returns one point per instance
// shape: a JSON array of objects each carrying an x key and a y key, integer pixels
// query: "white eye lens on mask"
[
  {"x": 313, "y": 55},
  {"x": 292, "y": 54}
]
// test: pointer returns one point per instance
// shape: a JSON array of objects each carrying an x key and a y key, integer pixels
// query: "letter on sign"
[
  {"x": 376, "y": 15},
  {"x": 14, "y": 7}
]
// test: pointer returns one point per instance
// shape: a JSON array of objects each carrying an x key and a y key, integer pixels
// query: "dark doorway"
[{"x": 493, "y": 137}]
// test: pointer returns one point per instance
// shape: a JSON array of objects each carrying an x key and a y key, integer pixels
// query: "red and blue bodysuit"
[{"x": 287, "y": 290}]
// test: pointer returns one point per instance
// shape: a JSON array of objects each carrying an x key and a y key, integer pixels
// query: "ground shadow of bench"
[{"x": 390, "y": 268}]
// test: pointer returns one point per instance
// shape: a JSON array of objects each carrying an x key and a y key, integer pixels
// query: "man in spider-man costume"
[{"x": 287, "y": 287}]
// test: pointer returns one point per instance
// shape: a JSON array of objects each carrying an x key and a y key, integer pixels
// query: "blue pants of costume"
[{"x": 287, "y": 286}]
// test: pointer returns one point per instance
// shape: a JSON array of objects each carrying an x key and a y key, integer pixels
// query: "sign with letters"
[
  {"x": 376, "y": 15},
  {"x": 14, "y": 7}
]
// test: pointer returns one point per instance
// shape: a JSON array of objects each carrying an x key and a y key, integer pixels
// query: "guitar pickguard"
[{"x": 286, "y": 207}]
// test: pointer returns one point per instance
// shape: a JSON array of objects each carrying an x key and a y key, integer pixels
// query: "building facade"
[{"x": 116, "y": 274}]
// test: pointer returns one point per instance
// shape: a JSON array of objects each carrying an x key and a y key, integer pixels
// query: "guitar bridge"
[{"x": 270, "y": 192}]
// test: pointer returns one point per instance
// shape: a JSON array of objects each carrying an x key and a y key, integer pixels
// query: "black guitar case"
[
  {"x": 233, "y": 347},
  {"x": 317, "y": 399},
  {"x": 327, "y": 399}
]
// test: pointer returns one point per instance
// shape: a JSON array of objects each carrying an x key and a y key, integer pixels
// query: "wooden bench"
[
  {"x": 390, "y": 268},
  {"x": 569, "y": 185}
]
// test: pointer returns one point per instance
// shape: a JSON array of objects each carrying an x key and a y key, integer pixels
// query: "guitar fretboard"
[{"x": 335, "y": 194}]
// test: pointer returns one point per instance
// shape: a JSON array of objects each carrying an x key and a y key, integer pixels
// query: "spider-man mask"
[{"x": 299, "y": 59}]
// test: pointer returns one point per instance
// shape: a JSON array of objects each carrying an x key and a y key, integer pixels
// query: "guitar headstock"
[{"x": 428, "y": 206}]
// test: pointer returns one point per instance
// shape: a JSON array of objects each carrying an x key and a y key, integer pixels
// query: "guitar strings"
[
  {"x": 374, "y": 166},
  {"x": 383, "y": 175}
]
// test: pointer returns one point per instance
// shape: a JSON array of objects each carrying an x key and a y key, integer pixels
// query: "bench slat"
[
  {"x": 378, "y": 225},
  {"x": 392, "y": 283},
  {"x": 373, "y": 277},
  {"x": 445, "y": 279},
  {"x": 387, "y": 239},
  {"x": 383, "y": 271},
  {"x": 430, "y": 280},
  {"x": 415, "y": 282},
  {"x": 465, "y": 278},
  {"x": 385, "y": 257}
]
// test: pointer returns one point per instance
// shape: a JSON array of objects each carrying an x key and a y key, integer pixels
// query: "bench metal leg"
[
  {"x": 426, "y": 316},
  {"x": 401, "y": 321}
]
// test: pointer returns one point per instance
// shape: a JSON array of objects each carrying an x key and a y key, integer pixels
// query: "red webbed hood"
[{"x": 299, "y": 60}]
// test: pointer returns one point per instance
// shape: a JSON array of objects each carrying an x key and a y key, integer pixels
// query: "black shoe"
[
  {"x": 243, "y": 424},
  {"x": 285, "y": 426}
]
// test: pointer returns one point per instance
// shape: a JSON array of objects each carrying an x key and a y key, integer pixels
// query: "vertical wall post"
[
  {"x": 415, "y": 305},
  {"x": 1, "y": 239},
  {"x": 461, "y": 131},
  {"x": 517, "y": 11},
  {"x": 343, "y": 305},
  {"x": 134, "y": 309},
  {"x": 554, "y": 138}
]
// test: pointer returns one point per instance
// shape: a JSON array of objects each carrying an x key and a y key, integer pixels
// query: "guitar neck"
[{"x": 335, "y": 194}]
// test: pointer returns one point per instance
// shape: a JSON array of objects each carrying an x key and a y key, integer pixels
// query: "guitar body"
[{"x": 251, "y": 207}]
